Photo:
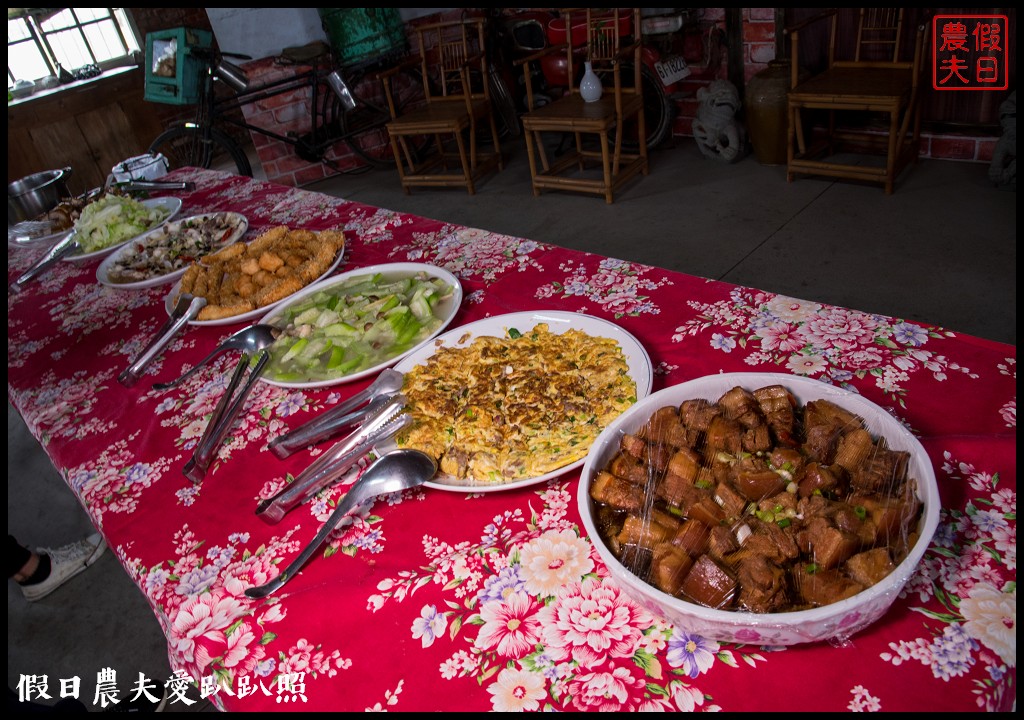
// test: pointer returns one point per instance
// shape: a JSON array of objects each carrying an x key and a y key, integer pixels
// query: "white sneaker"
[{"x": 65, "y": 563}]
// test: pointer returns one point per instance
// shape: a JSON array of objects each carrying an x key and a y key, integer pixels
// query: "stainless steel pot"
[{"x": 36, "y": 194}]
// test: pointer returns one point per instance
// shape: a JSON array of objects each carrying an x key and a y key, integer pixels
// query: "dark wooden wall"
[{"x": 90, "y": 126}]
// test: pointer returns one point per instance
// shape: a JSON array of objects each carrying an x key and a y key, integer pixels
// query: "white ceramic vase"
[{"x": 590, "y": 84}]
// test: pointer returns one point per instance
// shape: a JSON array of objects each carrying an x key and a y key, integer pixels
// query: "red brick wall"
[
  {"x": 758, "y": 40},
  {"x": 286, "y": 114}
]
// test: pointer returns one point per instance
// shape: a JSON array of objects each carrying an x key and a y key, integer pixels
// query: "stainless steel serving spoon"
[
  {"x": 397, "y": 470},
  {"x": 249, "y": 340}
]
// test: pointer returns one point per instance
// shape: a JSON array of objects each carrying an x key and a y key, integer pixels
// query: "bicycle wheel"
[
  {"x": 364, "y": 128},
  {"x": 185, "y": 146},
  {"x": 659, "y": 110},
  {"x": 506, "y": 117}
]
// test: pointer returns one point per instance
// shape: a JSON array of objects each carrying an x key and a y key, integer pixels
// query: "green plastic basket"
[{"x": 358, "y": 35}]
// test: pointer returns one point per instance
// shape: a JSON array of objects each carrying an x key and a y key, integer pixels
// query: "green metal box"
[{"x": 173, "y": 73}]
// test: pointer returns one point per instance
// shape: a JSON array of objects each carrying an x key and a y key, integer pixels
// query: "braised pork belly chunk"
[{"x": 756, "y": 504}]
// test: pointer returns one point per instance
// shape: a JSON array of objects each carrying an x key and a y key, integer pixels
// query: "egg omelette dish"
[{"x": 508, "y": 408}]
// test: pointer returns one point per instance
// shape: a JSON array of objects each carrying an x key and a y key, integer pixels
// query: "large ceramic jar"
[{"x": 766, "y": 112}]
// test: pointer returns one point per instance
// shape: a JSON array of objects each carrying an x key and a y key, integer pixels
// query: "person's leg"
[
  {"x": 44, "y": 571},
  {"x": 21, "y": 562}
]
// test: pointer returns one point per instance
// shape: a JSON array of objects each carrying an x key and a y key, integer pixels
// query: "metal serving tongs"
[
  {"x": 129, "y": 186},
  {"x": 186, "y": 308},
  {"x": 326, "y": 470},
  {"x": 65, "y": 247},
  {"x": 224, "y": 414},
  {"x": 344, "y": 414},
  {"x": 146, "y": 185}
]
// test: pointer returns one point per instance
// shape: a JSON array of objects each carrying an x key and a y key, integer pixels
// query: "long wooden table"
[{"x": 423, "y": 602}]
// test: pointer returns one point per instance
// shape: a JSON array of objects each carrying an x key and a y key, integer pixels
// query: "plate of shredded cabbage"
[{"x": 113, "y": 220}]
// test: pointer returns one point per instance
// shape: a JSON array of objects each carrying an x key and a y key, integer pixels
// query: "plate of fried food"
[
  {"x": 162, "y": 255},
  {"x": 518, "y": 399},
  {"x": 243, "y": 281}
]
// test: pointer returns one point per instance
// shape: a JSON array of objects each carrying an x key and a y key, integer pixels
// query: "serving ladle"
[
  {"x": 249, "y": 340},
  {"x": 395, "y": 471}
]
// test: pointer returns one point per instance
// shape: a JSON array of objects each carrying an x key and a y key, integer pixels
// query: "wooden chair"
[
  {"x": 878, "y": 79},
  {"x": 453, "y": 60},
  {"x": 607, "y": 39}
]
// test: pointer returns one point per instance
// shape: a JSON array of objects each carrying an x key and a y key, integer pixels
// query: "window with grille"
[{"x": 42, "y": 40}]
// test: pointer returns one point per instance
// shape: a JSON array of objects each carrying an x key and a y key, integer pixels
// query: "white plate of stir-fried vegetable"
[
  {"x": 162, "y": 255},
  {"x": 112, "y": 221},
  {"x": 356, "y": 324}
]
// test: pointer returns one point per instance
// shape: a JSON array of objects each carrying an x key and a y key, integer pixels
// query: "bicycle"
[{"x": 346, "y": 105}]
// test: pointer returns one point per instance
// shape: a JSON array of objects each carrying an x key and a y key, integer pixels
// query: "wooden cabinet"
[{"x": 90, "y": 125}]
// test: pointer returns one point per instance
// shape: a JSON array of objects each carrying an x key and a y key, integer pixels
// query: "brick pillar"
[{"x": 758, "y": 40}]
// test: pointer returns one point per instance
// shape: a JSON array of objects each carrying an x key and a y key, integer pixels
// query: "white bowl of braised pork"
[{"x": 760, "y": 508}]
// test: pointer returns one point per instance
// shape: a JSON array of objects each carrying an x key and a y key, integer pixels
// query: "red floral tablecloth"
[{"x": 437, "y": 600}]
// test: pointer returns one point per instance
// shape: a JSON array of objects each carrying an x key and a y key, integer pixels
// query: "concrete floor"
[{"x": 940, "y": 250}]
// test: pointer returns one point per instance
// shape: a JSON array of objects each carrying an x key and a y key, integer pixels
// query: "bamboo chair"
[
  {"x": 878, "y": 79},
  {"x": 607, "y": 39},
  {"x": 453, "y": 60}
]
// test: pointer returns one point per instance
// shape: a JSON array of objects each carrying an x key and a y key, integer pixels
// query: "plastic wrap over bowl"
[
  {"x": 834, "y": 622},
  {"x": 140, "y": 167}
]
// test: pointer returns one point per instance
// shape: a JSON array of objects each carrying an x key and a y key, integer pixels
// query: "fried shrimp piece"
[
  {"x": 267, "y": 239},
  {"x": 218, "y": 312},
  {"x": 302, "y": 237},
  {"x": 335, "y": 237},
  {"x": 277, "y": 291},
  {"x": 246, "y": 288},
  {"x": 270, "y": 261},
  {"x": 263, "y": 278},
  {"x": 250, "y": 266},
  {"x": 223, "y": 255},
  {"x": 188, "y": 280}
]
